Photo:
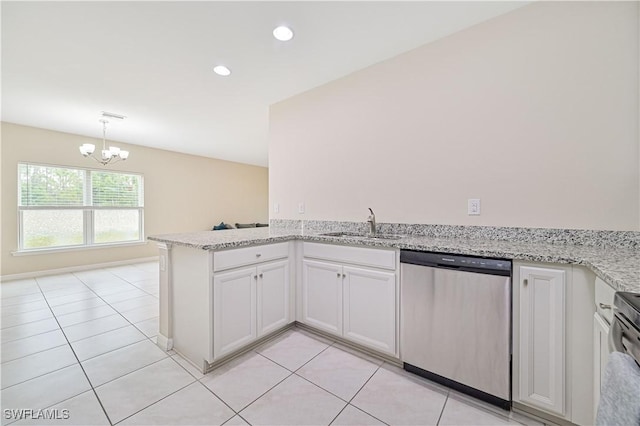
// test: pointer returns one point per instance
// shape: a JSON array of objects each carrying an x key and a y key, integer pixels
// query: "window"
[{"x": 62, "y": 207}]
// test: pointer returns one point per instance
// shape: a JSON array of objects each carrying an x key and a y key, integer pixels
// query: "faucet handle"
[{"x": 372, "y": 213}]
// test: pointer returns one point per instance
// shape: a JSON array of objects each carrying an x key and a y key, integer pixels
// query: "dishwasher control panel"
[{"x": 469, "y": 263}]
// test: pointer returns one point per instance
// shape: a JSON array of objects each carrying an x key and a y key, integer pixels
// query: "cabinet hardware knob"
[
  {"x": 258, "y": 255},
  {"x": 525, "y": 281},
  {"x": 604, "y": 306},
  {"x": 260, "y": 275},
  {"x": 255, "y": 277},
  {"x": 339, "y": 275},
  {"x": 344, "y": 275}
]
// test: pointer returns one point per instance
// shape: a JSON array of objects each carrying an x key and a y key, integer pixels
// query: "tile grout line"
[
  {"x": 442, "y": 410},
  {"x": 33, "y": 353},
  {"x": 261, "y": 395},
  {"x": 117, "y": 311},
  {"x": 26, "y": 303},
  {"x": 228, "y": 362},
  {"x": 22, "y": 303},
  {"x": 154, "y": 403},
  {"x": 257, "y": 398},
  {"x": 67, "y": 342},
  {"x": 311, "y": 359},
  {"x": 29, "y": 322},
  {"x": 196, "y": 380},
  {"x": 26, "y": 322},
  {"x": 138, "y": 369},
  {"x": 205, "y": 386},
  {"x": 39, "y": 375},
  {"x": 362, "y": 387},
  {"x": 216, "y": 395},
  {"x": 478, "y": 404},
  {"x": 79, "y": 363},
  {"x": 131, "y": 372},
  {"x": 113, "y": 350},
  {"x": 26, "y": 337},
  {"x": 292, "y": 373},
  {"x": 332, "y": 345}
]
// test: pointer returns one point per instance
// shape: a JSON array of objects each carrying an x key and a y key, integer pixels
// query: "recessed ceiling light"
[
  {"x": 283, "y": 33},
  {"x": 222, "y": 70}
]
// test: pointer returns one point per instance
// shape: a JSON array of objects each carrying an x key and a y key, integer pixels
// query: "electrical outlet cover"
[{"x": 473, "y": 206}]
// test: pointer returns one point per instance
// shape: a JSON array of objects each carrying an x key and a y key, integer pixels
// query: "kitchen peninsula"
[{"x": 222, "y": 292}]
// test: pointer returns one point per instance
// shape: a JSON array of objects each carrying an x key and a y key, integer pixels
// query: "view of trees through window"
[{"x": 61, "y": 206}]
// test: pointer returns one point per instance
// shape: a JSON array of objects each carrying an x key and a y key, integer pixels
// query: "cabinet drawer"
[
  {"x": 604, "y": 297},
  {"x": 249, "y": 255},
  {"x": 377, "y": 258}
]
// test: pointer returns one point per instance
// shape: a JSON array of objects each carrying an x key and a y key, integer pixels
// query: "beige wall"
[
  {"x": 534, "y": 112},
  {"x": 182, "y": 193}
]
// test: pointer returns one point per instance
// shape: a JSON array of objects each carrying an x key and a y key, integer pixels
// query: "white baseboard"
[
  {"x": 79, "y": 268},
  {"x": 164, "y": 343}
]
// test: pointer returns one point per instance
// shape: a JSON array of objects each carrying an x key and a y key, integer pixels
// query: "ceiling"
[{"x": 65, "y": 62}]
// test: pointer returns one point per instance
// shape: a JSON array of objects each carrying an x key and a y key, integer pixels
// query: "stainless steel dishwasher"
[{"x": 456, "y": 322}]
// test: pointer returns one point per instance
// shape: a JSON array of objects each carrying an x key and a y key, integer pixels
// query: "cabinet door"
[
  {"x": 600, "y": 356},
  {"x": 542, "y": 338},
  {"x": 234, "y": 310},
  {"x": 273, "y": 296},
  {"x": 369, "y": 308},
  {"x": 322, "y": 295}
]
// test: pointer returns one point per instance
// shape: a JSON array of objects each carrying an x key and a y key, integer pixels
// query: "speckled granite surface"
[
  {"x": 619, "y": 266},
  {"x": 628, "y": 239}
]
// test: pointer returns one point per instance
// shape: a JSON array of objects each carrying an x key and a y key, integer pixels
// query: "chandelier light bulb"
[
  {"x": 87, "y": 149},
  {"x": 222, "y": 70},
  {"x": 283, "y": 33}
]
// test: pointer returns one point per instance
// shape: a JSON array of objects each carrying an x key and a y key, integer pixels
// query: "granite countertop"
[{"x": 618, "y": 267}]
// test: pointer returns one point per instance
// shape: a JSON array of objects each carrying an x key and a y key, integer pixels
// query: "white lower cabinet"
[
  {"x": 542, "y": 338},
  {"x": 273, "y": 297},
  {"x": 369, "y": 308},
  {"x": 234, "y": 310},
  {"x": 249, "y": 303},
  {"x": 322, "y": 295},
  {"x": 354, "y": 302},
  {"x": 553, "y": 341}
]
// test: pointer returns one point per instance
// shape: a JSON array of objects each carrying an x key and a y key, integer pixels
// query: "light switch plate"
[
  {"x": 276, "y": 207},
  {"x": 301, "y": 207},
  {"x": 473, "y": 206}
]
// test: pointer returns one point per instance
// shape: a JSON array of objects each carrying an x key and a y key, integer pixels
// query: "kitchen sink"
[{"x": 362, "y": 235}]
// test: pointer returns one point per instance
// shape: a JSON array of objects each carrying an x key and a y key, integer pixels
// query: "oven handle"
[{"x": 615, "y": 337}]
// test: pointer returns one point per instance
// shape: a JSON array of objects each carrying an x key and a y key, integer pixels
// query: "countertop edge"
[{"x": 615, "y": 283}]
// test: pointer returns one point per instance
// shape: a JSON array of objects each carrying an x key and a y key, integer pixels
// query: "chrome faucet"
[{"x": 371, "y": 220}]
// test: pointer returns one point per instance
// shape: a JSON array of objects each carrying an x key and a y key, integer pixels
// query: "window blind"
[
  {"x": 50, "y": 186},
  {"x": 109, "y": 189}
]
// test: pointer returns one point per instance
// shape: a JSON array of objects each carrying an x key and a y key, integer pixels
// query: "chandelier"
[{"x": 106, "y": 156}]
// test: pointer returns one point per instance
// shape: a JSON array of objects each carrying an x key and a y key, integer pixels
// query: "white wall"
[
  {"x": 182, "y": 193},
  {"x": 534, "y": 112}
]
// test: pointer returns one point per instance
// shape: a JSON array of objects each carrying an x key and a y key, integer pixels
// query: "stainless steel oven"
[
  {"x": 620, "y": 391},
  {"x": 625, "y": 329}
]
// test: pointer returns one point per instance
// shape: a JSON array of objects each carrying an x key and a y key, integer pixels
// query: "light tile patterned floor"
[{"x": 83, "y": 344}]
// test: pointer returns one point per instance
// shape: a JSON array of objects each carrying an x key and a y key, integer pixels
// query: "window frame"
[{"x": 88, "y": 213}]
